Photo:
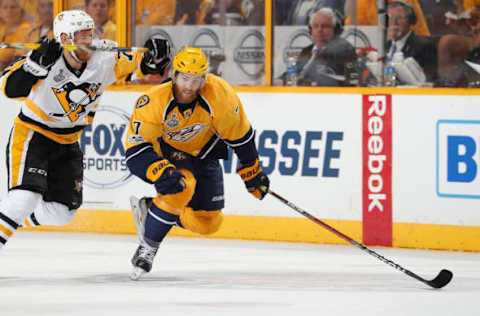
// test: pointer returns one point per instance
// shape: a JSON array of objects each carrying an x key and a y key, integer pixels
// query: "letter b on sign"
[
  {"x": 458, "y": 158},
  {"x": 461, "y": 166}
]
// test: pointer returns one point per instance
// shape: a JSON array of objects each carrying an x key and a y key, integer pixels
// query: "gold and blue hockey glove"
[
  {"x": 165, "y": 177},
  {"x": 255, "y": 179}
]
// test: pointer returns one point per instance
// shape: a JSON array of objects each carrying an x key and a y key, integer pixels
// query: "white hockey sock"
[
  {"x": 14, "y": 208},
  {"x": 7, "y": 228},
  {"x": 31, "y": 221},
  {"x": 51, "y": 213}
]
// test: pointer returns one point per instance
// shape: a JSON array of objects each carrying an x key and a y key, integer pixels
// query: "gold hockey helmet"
[{"x": 191, "y": 60}]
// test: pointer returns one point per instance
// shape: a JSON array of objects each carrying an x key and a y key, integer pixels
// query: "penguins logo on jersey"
[{"x": 74, "y": 99}]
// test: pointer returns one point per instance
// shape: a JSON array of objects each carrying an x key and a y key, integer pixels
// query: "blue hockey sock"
[{"x": 158, "y": 224}]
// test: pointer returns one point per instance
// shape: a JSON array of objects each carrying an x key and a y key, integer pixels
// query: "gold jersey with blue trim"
[
  {"x": 217, "y": 115},
  {"x": 68, "y": 98}
]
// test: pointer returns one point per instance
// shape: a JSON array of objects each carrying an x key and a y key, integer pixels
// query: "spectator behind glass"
[
  {"x": 99, "y": 11},
  {"x": 14, "y": 28},
  {"x": 459, "y": 57},
  {"x": 235, "y": 14},
  {"x": 76, "y": 4},
  {"x": 155, "y": 12},
  {"x": 30, "y": 7},
  {"x": 458, "y": 20},
  {"x": 468, "y": 5},
  {"x": 367, "y": 15},
  {"x": 255, "y": 12},
  {"x": 329, "y": 61},
  {"x": 301, "y": 10},
  {"x": 44, "y": 26},
  {"x": 192, "y": 12},
  {"x": 401, "y": 38},
  {"x": 281, "y": 11},
  {"x": 80, "y": 5},
  {"x": 434, "y": 12}
]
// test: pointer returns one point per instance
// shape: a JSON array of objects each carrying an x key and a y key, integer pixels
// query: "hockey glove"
[
  {"x": 40, "y": 60},
  {"x": 255, "y": 179},
  {"x": 166, "y": 178},
  {"x": 158, "y": 56}
]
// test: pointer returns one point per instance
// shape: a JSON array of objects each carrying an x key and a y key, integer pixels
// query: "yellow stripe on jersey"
[
  {"x": 38, "y": 111},
  {"x": 10, "y": 70},
  {"x": 59, "y": 138},
  {"x": 6, "y": 231},
  {"x": 18, "y": 144}
]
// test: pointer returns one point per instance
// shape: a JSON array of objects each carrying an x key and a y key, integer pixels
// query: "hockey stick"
[
  {"x": 77, "y": 47},
  {"x": 442, "y": 279}
]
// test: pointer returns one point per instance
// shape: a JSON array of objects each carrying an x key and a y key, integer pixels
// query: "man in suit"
[
  {"x": 330, "y": 59},
  {"x": 401, "y": 38}
]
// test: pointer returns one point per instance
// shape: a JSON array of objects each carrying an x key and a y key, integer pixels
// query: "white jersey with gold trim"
[{"x": 67, "y": 97}]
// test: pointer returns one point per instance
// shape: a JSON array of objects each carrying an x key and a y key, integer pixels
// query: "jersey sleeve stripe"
[
  {"x": 208, "y": 147},
  {"x": 242, "y": 141},
  {"x": 137, "y": 150}
]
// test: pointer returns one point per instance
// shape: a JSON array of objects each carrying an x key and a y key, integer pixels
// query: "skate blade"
[{"x": 137, "y": 273}]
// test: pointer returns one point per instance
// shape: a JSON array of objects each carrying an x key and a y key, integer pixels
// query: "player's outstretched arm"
[{"x": 21, "y": 76}]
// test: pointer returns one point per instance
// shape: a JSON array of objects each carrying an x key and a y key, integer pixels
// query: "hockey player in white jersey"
[{"x": 60, "y": 91}]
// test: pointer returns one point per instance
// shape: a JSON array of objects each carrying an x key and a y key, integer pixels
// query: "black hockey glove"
[
  {"x": 168, "y": 179},
  {"x": 158, "y": 56},
  {"x": 255, "y": 179},
  {"x": 40, "y": 60}
]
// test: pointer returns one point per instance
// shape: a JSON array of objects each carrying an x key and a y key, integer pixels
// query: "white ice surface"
[{"x": 83, "y": 274}]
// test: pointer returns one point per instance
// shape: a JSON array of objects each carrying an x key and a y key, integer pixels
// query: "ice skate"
[
  {"x": 140, "y": 210},
  {"x": 142, "y": 261}
]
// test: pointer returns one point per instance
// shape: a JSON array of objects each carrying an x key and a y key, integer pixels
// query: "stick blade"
[{"x": 442, "y": 279}]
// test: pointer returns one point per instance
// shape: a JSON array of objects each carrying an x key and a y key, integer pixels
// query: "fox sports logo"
[{"x": 104, "y": 151}]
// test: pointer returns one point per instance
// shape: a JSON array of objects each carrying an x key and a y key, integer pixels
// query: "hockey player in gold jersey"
[
  {"x": 60, "y": 91},
  {"x": 177, "y": 133}
]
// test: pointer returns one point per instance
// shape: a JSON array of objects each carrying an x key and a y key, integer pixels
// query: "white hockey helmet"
[{"x": 71, "y": 21}]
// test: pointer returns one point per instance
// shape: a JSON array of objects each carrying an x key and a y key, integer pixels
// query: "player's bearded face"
[
  {"x": 187, "y": 86},
  {"x": 83, "y": 38}
]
